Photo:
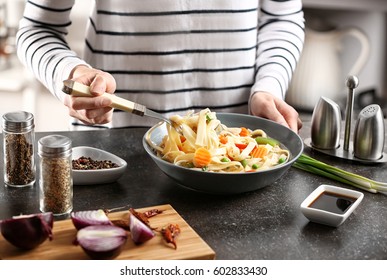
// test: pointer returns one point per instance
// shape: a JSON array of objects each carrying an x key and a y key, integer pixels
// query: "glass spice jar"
[
  {"x": 55, "y": 174},
  {"x": 18, "y": 147}
]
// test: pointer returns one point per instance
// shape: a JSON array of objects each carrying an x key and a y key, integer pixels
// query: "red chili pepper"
[{"x": 170, "y": 233}]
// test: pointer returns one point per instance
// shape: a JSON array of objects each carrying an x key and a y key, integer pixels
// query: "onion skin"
[
  {"x": 101, "y": 242},
  {"x": 28, "y": 231},
  {"x": 139, "y": 231},
  {"x": 83, "y": 219}
]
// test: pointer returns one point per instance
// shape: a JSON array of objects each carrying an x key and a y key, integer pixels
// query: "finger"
[
  {"x": 91, "y": 117},
  {"x": 299, "y": 123},
  {"x": 103, "y": 82},
  {"x": 98, "y": 115},
  {"x": 79, "y": 103},
  {"x": 99, "y": 81}
]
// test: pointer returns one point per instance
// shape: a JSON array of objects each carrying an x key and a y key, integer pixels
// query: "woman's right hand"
[{"x": 95, "y": 110}]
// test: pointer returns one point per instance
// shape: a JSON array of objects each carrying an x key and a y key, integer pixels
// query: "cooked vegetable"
[
  {"x": 312, "y": 165},
  {"x": 267, "y": 140},
  {"x": 83, "y": 219},
  {"x": 202, "y": 157},
  {"x": 139, "y": 231},
  {"x": 223, "y": 138},
  {"x": 244, "y": 132},
  {"x": 259, "y": 151},
  {"x": 28, "y": 231},
  {"x": 101, "y": 242}
]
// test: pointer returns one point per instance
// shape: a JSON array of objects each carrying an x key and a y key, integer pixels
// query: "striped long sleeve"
[{"x": 170, "y": 55}]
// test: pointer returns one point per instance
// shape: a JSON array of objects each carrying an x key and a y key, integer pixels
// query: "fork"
[{"x": 80, "y": 90}]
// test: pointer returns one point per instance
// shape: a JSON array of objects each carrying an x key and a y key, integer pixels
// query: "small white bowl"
[
  {"x": 98, "y": 176},
  {"x": 330, "y": 205}
]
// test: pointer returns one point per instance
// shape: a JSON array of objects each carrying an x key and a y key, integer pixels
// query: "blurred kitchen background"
[{"x": 343, "y": 37}]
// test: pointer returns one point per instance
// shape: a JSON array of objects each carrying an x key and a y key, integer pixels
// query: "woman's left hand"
[{"x": 265, "y": 105}]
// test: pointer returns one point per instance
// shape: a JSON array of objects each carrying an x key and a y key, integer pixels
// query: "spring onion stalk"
[{"x": 312, "y": 165}]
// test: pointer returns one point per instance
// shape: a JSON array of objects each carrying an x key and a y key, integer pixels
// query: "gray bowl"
[{"x": 230, "y": 183}]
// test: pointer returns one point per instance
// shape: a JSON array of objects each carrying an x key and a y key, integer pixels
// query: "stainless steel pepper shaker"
[
  {"x": 55, "y": 174},
  {"x": 368, "y": 141},
  {"x": 19, "y": 151}
]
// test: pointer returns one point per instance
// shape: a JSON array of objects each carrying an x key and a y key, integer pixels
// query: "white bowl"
[
  {"x": 98, "y": 176},
  {"x": 330, "y": 205}
]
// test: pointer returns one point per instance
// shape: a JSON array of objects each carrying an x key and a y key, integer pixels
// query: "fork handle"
[{"x": 81, "y": 90}]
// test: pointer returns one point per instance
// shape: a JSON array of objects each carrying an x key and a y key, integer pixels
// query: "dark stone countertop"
[{"x": 265, "y": 224}]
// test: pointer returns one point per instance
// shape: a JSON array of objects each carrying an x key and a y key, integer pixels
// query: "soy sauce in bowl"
[
  {"x": 332, "y": 202},
  {"x": 330, "y": 205}
]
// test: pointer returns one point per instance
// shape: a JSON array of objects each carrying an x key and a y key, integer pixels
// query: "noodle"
[{"x": 209, "y": 145}]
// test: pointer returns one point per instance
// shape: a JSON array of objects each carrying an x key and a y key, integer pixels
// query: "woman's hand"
[
  {"x": 95, "y": 110},
  {"x": 264, "y": 104}
]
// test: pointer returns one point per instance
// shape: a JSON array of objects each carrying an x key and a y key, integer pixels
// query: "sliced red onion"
[
  {"x": 139, "y": 231},
  {"x": 83, "y": 219},
  {"x": 101, "y": 242},
  {"x": 28, "y": 231}
]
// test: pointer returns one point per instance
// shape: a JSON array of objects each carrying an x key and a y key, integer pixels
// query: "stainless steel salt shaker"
[
  {"x": 18, "y": 147},
  {"x": 326, "y": 124},
  {"x": 55, "y": 174},
  {"x": 368, "y": 136}
]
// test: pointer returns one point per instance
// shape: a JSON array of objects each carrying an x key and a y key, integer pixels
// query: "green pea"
[
  {"x": 281, "y": 160},
  {"x": 225, "y": 159}
]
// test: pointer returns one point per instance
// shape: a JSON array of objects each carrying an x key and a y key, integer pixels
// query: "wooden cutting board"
[{"x": 189, "y": 244}]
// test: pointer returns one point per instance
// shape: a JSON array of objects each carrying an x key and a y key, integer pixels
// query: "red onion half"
[
  {"x": 28, "y": 231},
  {"x": 83, "y": 219},
  {"x": 101, "y": 242}
]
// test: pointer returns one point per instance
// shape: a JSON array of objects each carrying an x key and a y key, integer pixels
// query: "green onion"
[
  {"x": 312, "y": 165},
  {"x": 225, "y": 159}
]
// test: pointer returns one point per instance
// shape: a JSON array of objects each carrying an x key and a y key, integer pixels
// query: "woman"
[{"x": 171, "y": 56}]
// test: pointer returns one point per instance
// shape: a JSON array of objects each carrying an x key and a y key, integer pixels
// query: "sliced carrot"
[
  {"x": 244, "y": 132},
  {"x": 202, "y": 157},
  {"x": 259, "y": 152},
  {"x": 182, "y": 139},
  {"x": 223, "y": 139}
]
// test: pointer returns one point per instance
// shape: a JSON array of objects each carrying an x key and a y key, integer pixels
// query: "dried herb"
[{"x": 19, "y": 160}]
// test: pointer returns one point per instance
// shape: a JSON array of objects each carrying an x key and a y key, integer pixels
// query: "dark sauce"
[{"x": 332, "y": 202}]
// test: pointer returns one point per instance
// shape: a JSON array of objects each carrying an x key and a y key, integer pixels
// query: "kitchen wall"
[
  {"x": 20, "y": 91},
  {"x": 370, "y": 16}
]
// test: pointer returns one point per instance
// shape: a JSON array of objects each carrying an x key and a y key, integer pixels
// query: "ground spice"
[
  {"x": 56, "y": 185},
  {"x": 55, "y": 180},
  {"x": 19, "y": 160}
]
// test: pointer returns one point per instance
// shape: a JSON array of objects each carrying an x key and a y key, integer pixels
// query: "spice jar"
[
  {"x": 18, "y": 146},
  {"x": 55, "y": 174}
]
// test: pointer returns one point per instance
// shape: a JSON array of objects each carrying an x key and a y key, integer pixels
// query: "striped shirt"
[{"x": 170, "y": 55}]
